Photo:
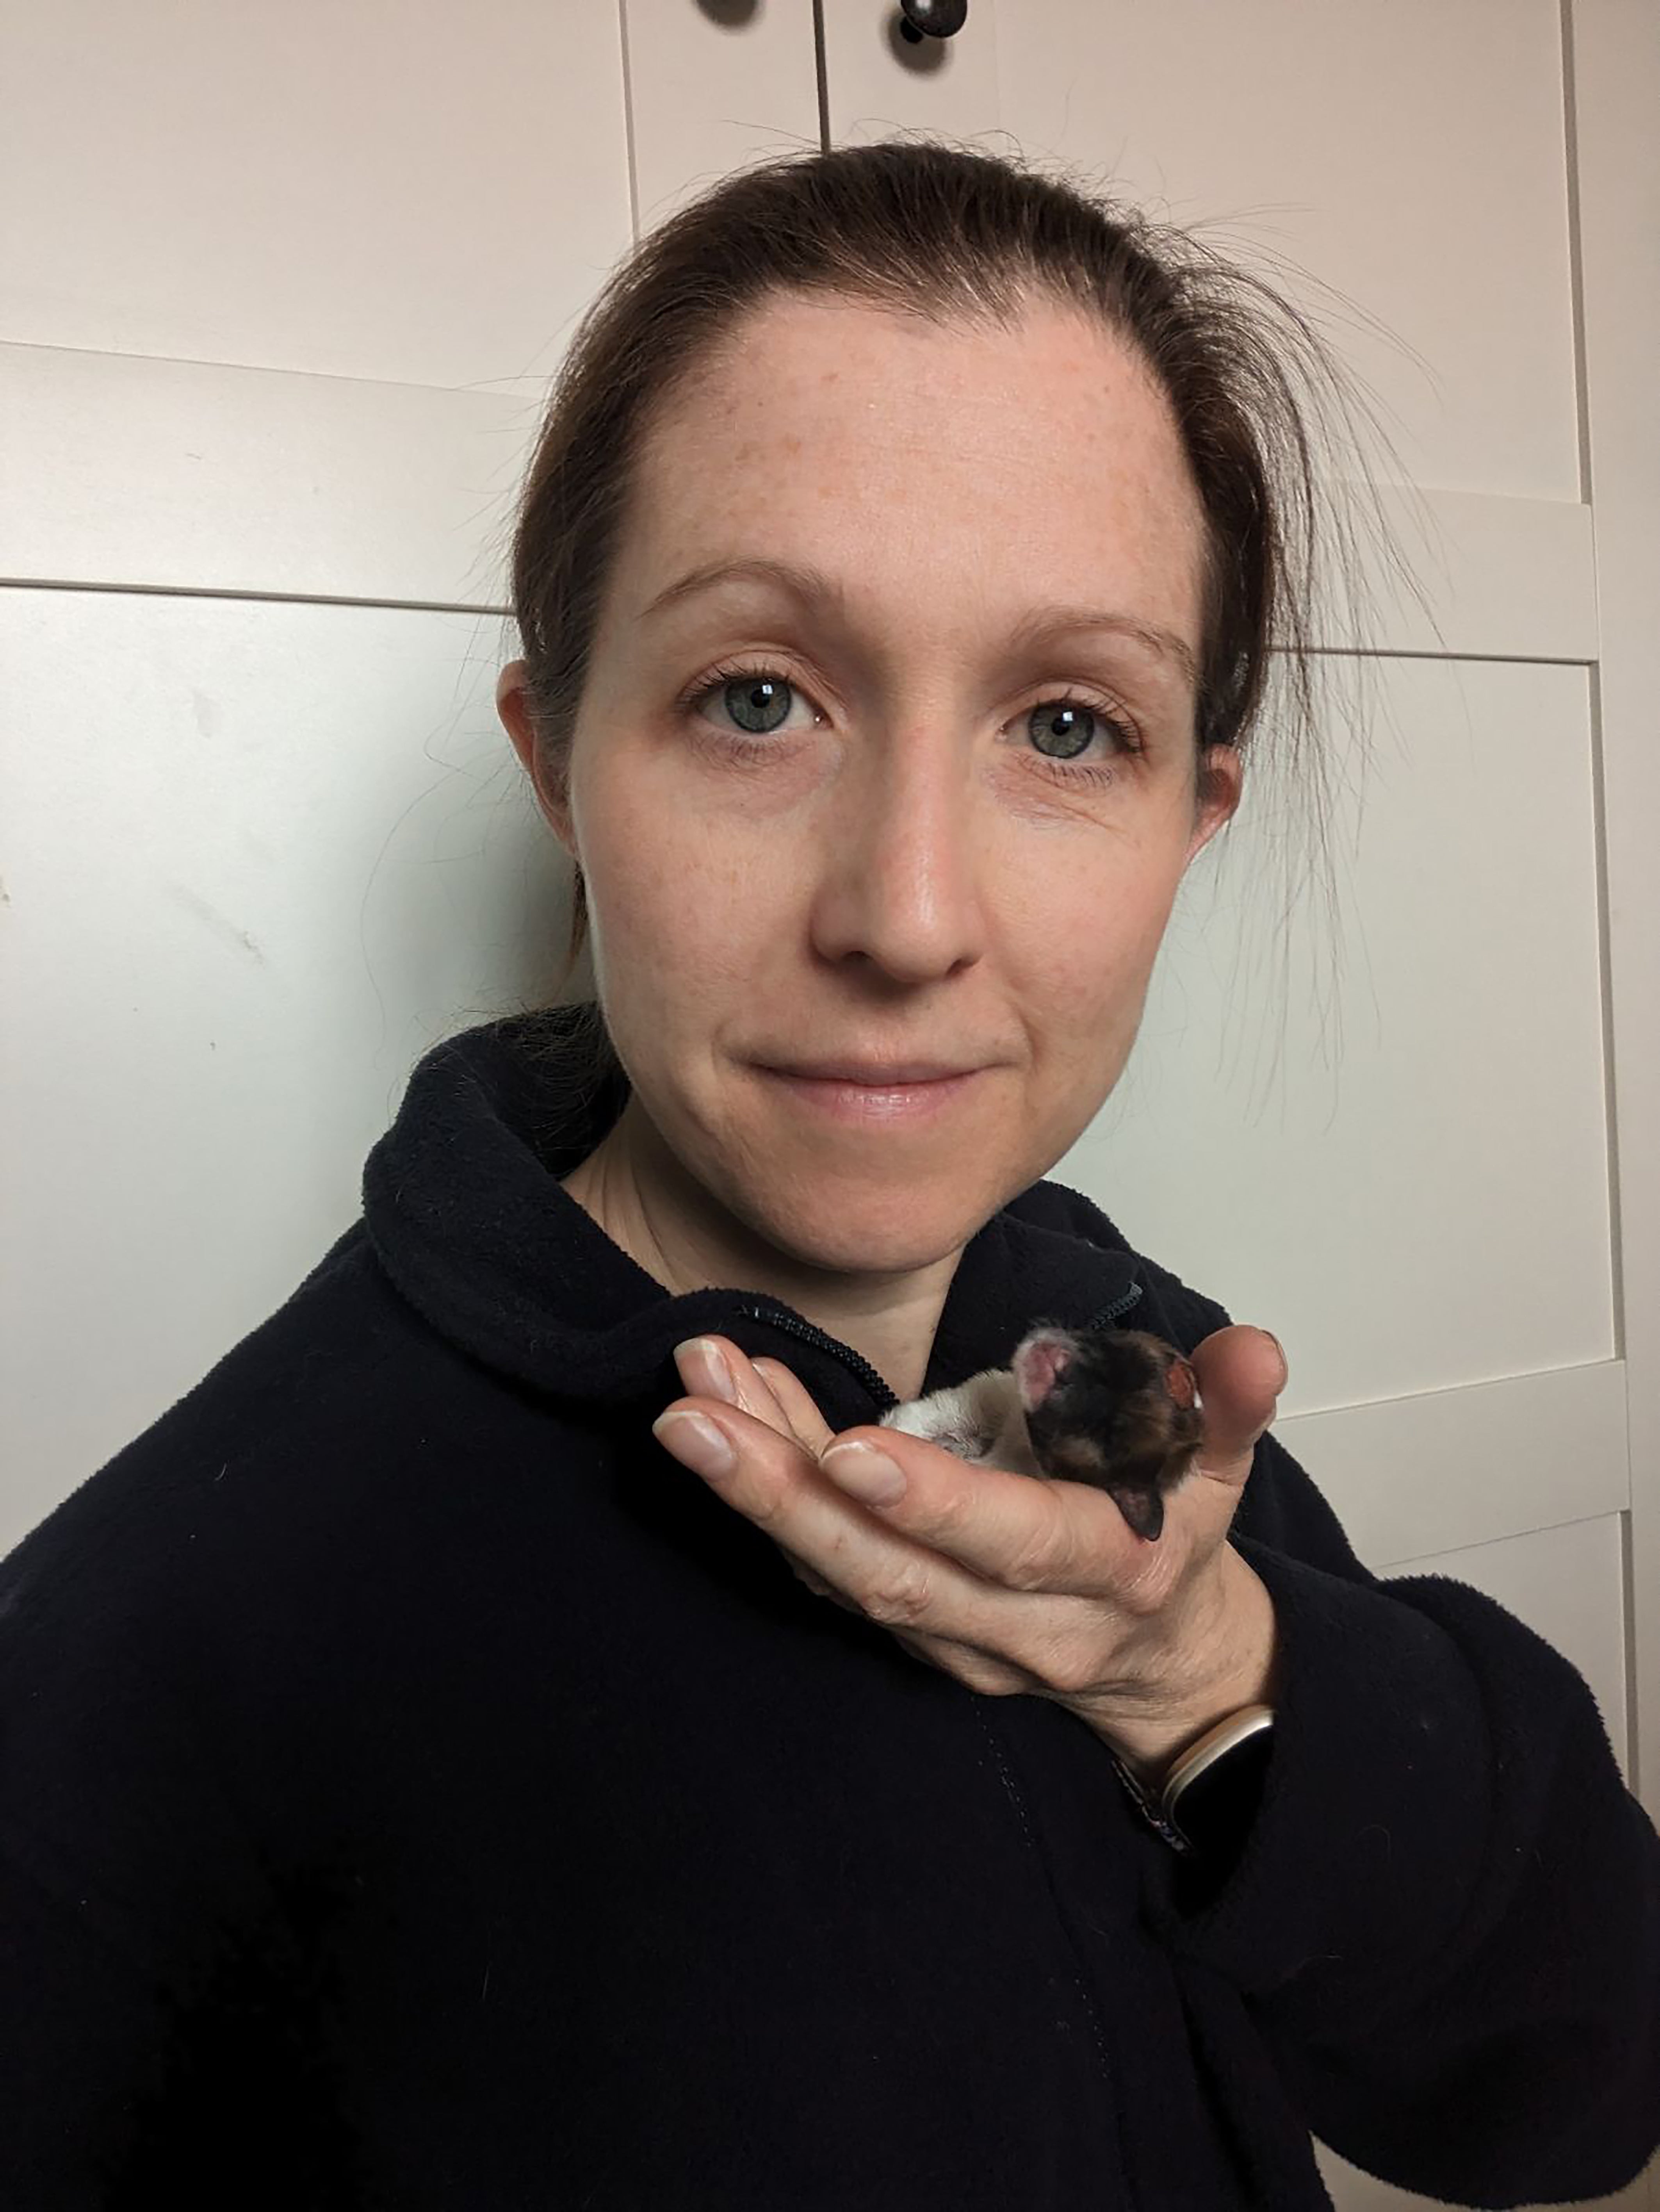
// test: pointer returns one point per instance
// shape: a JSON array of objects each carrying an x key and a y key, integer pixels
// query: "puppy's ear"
[{"x": 1141, "y": 1505}]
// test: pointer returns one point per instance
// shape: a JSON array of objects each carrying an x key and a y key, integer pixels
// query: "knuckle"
[
  {"x": 770, "y": 1504},
  {"x": 901, "y": 1597},
  {"x": 1147, "y": 1592}
]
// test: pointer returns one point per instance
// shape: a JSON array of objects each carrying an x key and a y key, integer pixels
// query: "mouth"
[{"x": 875, "y": 1101}]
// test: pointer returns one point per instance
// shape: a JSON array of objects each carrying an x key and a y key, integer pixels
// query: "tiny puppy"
[{"x": 1116, "y": 1407}]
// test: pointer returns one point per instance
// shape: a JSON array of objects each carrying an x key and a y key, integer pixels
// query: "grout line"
[
  {"x": 477, "y": 390},
  {"x": 276, "y": 598},
  {"x": 1576, "y": 255},
  {"x": 631, "y": 162},
  {"x": 822, "y": 71},
  {"x": 490, "y": 607},
  {"x": 1600, "y": 841}
]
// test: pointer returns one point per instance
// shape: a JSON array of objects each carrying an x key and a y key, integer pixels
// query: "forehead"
[{"x": 927, "y": 458}]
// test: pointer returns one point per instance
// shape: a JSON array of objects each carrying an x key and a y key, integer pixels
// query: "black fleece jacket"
[{"x": 418, "y": 1790}]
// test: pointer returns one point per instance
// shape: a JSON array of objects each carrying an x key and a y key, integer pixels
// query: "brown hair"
[{"x": 925, "y": 228}]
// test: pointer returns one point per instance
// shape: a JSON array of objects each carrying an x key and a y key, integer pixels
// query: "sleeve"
[
  {"x": 1445, "y": 1919},
  {"x": 137, "y": 1939}
]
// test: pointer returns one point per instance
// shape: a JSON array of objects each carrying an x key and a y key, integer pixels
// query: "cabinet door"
[{"x": 290, "y": 284}]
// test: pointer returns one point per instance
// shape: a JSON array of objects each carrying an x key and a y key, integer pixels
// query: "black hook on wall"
[{"x": 931, "y": 19}]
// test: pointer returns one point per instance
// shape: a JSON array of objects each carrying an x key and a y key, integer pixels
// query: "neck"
[{"x": 683, "y": 1239}]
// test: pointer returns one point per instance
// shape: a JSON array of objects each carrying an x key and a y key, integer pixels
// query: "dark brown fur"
[{"x": 1120, "y": 1410}]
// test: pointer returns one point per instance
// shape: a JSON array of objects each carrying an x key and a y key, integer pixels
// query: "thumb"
[{"x": 1242, "y": 1372}]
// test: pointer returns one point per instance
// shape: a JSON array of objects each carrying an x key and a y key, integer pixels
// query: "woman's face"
[{"x": 890, "y": 853}]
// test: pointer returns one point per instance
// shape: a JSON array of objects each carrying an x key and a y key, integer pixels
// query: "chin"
[{"x": 849, "y": 1223}]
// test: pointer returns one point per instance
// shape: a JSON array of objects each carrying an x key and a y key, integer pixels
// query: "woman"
[{"x": 419, "y": 1790}]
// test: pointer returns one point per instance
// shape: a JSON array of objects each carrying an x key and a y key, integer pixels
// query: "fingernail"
[
  {"x": 864, "y": 1472},
  {"x": 697, "y": 1443},
  {"x": 716, "y": 1369}
]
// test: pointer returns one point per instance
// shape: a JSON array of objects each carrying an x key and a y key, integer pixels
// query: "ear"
[
  {"x": 514, "y": 707},
  {"x": 1221, "y": 783}
]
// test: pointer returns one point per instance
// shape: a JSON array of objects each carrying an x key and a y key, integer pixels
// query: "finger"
[
  {"x": 765, "y": 1387},
  {"x": 1241, "y": 1371},
  {"x": 755, "y": 1395},
  {"x": 889, "y": 1576},
  {"x": 811, "y": 1430}
]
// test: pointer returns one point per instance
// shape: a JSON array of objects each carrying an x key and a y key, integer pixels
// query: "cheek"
[
  {"x": 1081, "y": 963},
  {"x": 670, "y": 924},
  {"x": 1085, "y": 937},
  {"x": 677, "y": 887}
]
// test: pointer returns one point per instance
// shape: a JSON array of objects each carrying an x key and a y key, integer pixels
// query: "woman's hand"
[{"x": 1012, "y": 1584}]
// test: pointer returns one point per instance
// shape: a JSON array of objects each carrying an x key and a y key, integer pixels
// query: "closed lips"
[{"x": 904, "y": 1071}]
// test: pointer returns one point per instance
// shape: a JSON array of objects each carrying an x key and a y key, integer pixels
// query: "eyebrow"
[{"x": 813, "y": 587}]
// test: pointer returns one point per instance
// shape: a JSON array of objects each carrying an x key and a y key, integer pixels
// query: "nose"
[{"x": 900, "y": 870}]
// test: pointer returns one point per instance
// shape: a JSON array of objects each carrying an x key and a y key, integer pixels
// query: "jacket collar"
[{"x": 462, "y": 1207}]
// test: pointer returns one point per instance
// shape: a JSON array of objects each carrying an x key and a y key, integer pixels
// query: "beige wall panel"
[
  {"x": 877, "y": 85},
  {"x": 380, "y": 457},
  {"x": 1454, "y": 1467},
  {"x": 1495, "y": 578},
  {"x": 711, "y": 87},
  {"x": 421, "y": 195},
  {"x": 1616, "y": 77},
  {"x": 184, "y": 475}
]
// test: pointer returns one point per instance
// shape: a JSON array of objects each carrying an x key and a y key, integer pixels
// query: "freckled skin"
[{"x": 906, "y": 873}]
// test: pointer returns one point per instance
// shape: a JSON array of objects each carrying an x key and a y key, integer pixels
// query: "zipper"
[
  {"x": 781, "y": 1317},
  {"x": 1131, "y": 1297}
]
